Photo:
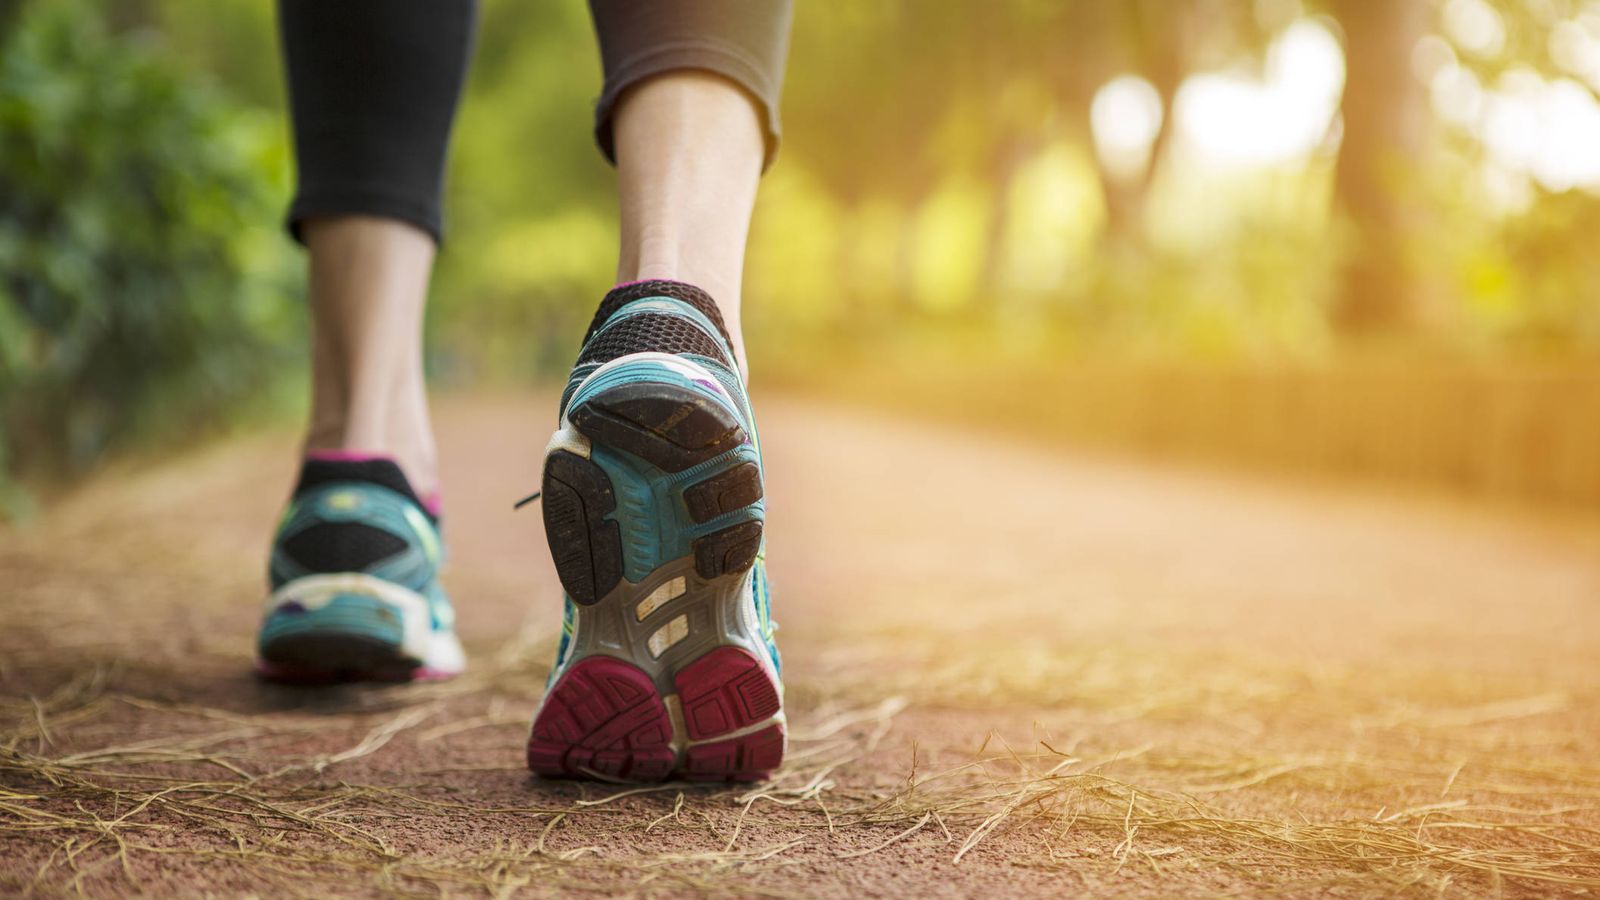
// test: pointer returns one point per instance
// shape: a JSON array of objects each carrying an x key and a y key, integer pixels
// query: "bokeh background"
[
  {"x": 1351, "y": 236},
  {"x": 1183, "y": 420}
]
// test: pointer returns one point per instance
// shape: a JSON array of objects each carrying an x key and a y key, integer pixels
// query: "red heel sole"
[{"x": 605, "y": 718}]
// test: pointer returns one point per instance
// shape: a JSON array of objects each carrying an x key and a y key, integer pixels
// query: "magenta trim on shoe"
[
  {"x": 346, "y": 456},
  {"x": 433, "y": 503}
]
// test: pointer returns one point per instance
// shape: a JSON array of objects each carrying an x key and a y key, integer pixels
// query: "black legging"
[{"x": 373, "y": 86}]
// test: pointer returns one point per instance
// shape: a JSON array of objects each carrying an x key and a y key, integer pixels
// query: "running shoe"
[
  {"x": 354, "y": 581},
  {"x": 653, "y": 508}
]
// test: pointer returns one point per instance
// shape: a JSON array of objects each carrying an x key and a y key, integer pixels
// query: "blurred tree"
[
  {"x": 233, "y": 41},
  {"x": 899, "y": 114},
  {"x": 1158, "y": 40},
  {"x": 1542, "y": 296},
  {"x": 142, "y": 268},
  {"x": 887, "y": 64},
  {"x": 1385, "y": 125}
]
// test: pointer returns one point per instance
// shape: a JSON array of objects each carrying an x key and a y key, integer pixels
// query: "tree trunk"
[
  {"x": 1126, "y": 198},
  {"x": 1384, "y": 114},
  {"x": 1007, "y": 158},
  {"x": 913, "y": 196},
  {"x": 1163, "y": 32}
]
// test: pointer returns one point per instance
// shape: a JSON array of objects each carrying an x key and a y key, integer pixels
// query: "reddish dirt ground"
[{"x": 1010, "y": 670}]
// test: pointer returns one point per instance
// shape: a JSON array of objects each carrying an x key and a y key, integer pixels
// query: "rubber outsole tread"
[
  {"x": 729, "y": 551},
  {"x": 604, "y": 718},
  {"x": 748, "y": 758},
  {"x": 585, "y": 545},
  {"x": 724, "y": 690},
  {"x": 734, "y": 489},
  {"x": 325, "y": 656},
  {"x": 668, "y": 426}
]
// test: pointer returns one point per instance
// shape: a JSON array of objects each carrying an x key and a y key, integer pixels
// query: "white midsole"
[
  {"x": 570, "y": 440},
  {"x": 418, "y": 639}
]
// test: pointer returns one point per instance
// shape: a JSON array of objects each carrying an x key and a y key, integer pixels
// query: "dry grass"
[
  {"x": 221, "y": 791},
  {"x": 1105, "y": 733}
]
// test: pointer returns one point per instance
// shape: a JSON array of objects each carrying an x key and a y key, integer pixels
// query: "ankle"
[{"x": 415, "y": 455}]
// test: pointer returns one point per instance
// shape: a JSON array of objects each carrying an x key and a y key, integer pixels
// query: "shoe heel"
[
  {"x": 670, "y": 426},
  {"x": 349, "y": 637}
]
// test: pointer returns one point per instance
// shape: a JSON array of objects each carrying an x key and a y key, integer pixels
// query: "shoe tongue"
[
  {"x": 382, "y": 471},
  {"x": 623, "y": 294}
]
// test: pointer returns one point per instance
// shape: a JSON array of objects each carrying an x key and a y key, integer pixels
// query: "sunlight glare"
[
  {"x": 1547, "y": 129},
  {"x": 1056, "y": 212},
  {"x": 1233, "y": 120},
  {"x": 1456, "y": 94},
  {"x": 1431, "y": 55},
  {"x": 1475, "y": 27},
  {"x": 1576, "y": 49},
  {"x": 1125, "y": 117}
]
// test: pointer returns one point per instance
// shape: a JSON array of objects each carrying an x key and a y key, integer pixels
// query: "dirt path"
[{"x": 1009, "y": 670}]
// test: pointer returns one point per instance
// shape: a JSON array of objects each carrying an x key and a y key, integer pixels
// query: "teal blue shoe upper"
[{"x": 361, "y": 518}]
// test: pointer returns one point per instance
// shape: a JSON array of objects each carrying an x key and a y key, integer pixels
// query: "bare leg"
[
  {"x": 689, "y": 147},
  {"x": 369, "y": 281}
]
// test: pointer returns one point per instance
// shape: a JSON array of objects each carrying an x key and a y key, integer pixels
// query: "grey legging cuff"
[{"x": 745, "y": 41}]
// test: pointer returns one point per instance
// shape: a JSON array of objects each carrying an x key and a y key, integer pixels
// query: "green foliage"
[
  {"x": 234, "y": 41},
  {"x": 1554, "y": 297},
  {"x": 142, "y": 272},
  {"x": 531, "y": 233}
]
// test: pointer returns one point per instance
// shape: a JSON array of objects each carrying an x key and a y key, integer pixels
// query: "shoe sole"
[
  {"x": 666, "y": 675},
  {"x": 333, "y": 658}
]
